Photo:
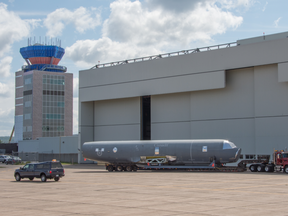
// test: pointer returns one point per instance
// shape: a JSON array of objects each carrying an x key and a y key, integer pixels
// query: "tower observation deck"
[{"x": 43, "y": 57}]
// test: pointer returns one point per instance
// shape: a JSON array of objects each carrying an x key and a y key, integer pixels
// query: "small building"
[
  {"x": 64, "y": 149},
  {"x": 8, "y": 148},
  {"x": 236, "y": 91}
]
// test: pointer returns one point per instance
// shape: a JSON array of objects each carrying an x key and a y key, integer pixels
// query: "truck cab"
[{"x": 281, "y": 159}]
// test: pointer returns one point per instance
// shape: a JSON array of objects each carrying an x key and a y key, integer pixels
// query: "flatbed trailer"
[
  {"x": 200, "y": 168},
  {"x": 261, "y": 164},
  {"x": 195, "y": 168}
]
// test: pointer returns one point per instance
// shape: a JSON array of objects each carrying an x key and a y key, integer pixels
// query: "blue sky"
[{"x": 107, "y": 30}]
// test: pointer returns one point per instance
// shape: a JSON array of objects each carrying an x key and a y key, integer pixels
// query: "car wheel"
[
  {"x": 17, "y": 177},
  {"x": 6, "y": 162},
  {"x": 43, "y": 178},
  {"x": 31, "y": 178},
  {"x": 56, "y": 179}
]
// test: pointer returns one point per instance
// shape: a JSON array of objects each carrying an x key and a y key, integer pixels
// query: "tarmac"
[{"x": 91, "y": 190}]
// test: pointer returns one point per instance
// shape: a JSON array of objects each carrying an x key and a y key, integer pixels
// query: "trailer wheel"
[
  {"x": 253, "y": 168},
  {"x": 135, "y": 168},
  {"x": 286, "y": 169},
  {"x": 119, "y": 168},
  {"x": 110, "y": 168},
  {"x": 260, "y": 168},
  {"x": 129, "y": 168}
]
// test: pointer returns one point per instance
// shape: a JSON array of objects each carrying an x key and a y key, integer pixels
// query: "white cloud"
[
  {"x": 136, "y": 29},
  {"x": 172, "y": 5},
  {"x": 87, "y": 53},
  {"x": 4, "y": 90},
  {"x": 5, "y": 66},
  {"x": 276, "y": 22},
  {"x": 82, "y": 18},
  {"x": 185, "y": 5},
  {"x": 161, "y": 27},
  {"x": 7, "y": 108},
  {"x": 230, "y": 4},
  {"x": 12, "y": 29},
  {"x": 34, "y": 23},
  {"x": 20, "y": 28},
  {"x": 265, "y": 6},
  {"x": 6, "y": 121}
]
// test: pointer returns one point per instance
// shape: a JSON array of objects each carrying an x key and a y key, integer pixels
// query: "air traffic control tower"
[
  {"x": 42, "y": 57},
  {"x": 43, "y": 94}
]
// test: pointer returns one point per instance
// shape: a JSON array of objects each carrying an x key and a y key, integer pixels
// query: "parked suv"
[{"x": 44, "y": 170}]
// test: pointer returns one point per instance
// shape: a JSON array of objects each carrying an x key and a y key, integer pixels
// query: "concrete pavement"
[{"x": 91, "y": 190}]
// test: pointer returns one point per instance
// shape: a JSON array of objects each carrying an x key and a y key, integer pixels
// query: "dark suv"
[{"x": 43, "y": 170}]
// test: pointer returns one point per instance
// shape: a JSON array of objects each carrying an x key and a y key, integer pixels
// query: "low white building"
[
  {"x": 235, "y": 91},
  {"x": 64, "y": 149}
]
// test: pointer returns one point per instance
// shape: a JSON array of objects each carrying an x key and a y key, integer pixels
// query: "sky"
[{"x": 102, "y": 31}]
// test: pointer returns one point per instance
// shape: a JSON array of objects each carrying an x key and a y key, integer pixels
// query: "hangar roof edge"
[
  {"x": 195, "y": 50},
  {"x": 165, "y": 55}
]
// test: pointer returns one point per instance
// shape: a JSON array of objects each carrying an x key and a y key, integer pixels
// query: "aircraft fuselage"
[{"x": 186, "y": 152}]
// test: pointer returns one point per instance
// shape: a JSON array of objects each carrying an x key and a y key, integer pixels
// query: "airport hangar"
[{"x": 237, "y": 91}]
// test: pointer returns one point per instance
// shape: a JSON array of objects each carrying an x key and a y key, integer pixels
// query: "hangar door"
[
  {"x": 146, "y": 118},
  {"x": 117, "y": 119}
]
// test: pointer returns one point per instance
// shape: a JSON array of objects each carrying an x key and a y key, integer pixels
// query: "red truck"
[{"x": 262, "y": 164}]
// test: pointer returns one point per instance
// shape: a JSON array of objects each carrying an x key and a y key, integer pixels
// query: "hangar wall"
[
  {"x": 117, "y": 119},
  {"x": 251, "y": 111},
  {"x": 238, "y": 93}
]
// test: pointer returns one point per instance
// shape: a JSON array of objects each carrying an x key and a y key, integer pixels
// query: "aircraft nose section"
[{"x": 237, "y": 154}]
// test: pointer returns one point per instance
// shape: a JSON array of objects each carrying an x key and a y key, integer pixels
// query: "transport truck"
[
  {"x": 261, "y": 164},
  {"x": 189, "y": 155},
  {"x": 278, "y": 164}
]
